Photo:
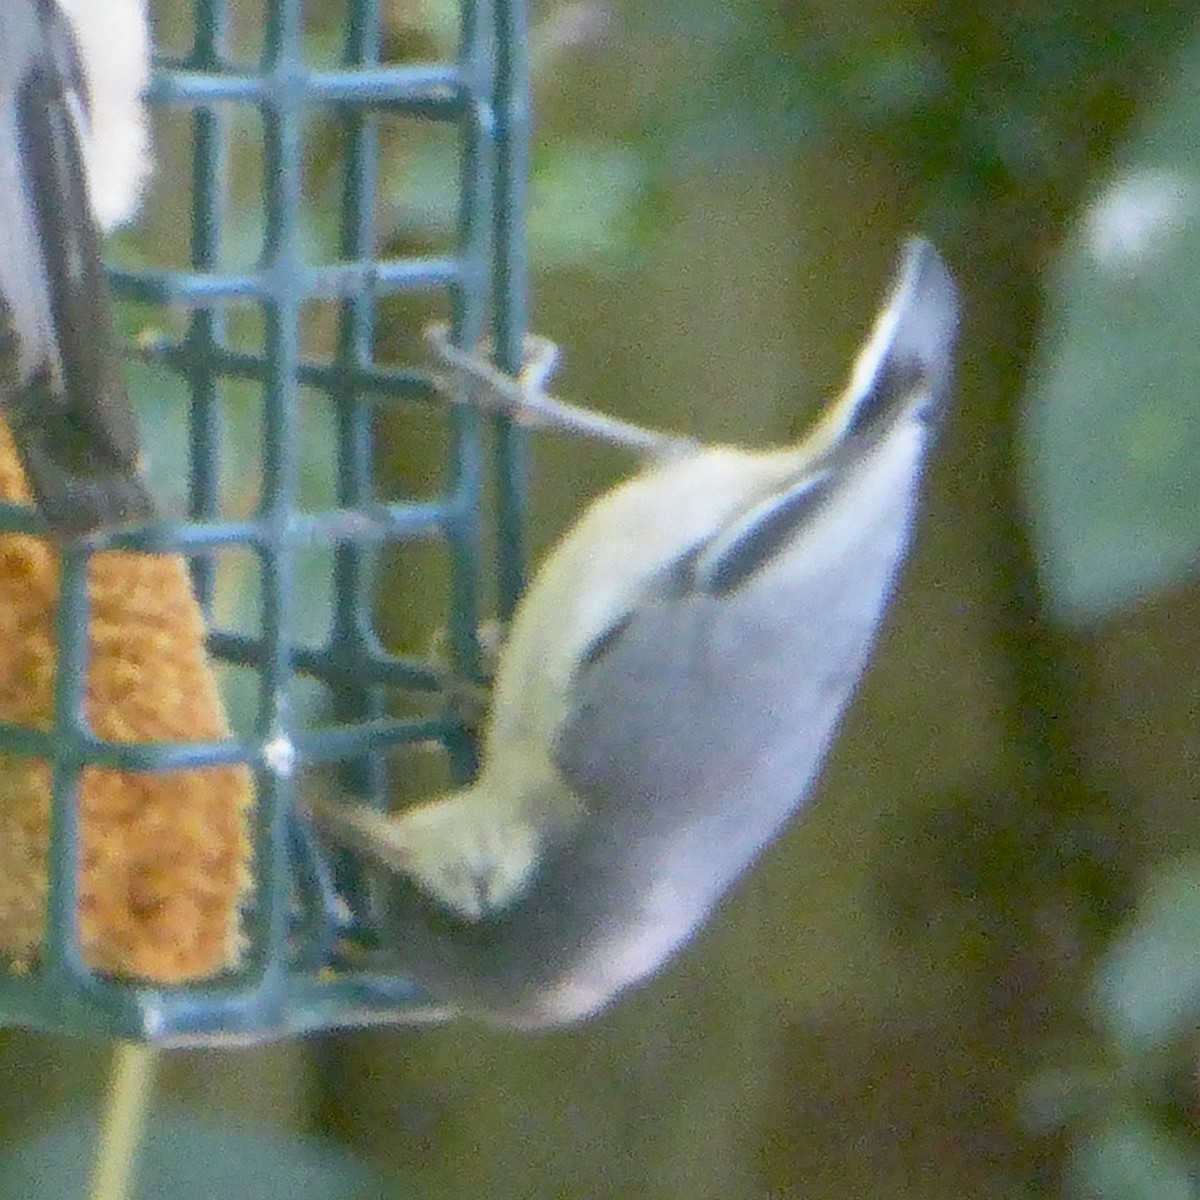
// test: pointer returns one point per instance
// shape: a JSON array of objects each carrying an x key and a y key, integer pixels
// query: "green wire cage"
[{"x": 285, "y": 983}]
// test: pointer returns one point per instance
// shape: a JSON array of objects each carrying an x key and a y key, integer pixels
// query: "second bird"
[{"x": 74, "y": 158}]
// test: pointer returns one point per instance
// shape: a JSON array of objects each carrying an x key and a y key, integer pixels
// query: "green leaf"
[
  {"x": 1129, "y": 1157},
  {"x": 584, "y": 203},
  {"x": 1147, "y": 990},
  {"x": 1111, "y": 435}
]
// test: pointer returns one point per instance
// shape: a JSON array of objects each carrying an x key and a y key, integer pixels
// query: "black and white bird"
[
  {"x": 671, "y": 683},
  {"x": 74, "y": 160}
]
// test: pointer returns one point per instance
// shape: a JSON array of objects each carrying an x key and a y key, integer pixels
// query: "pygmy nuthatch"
[
  {"x": 74, "y": 157},
  {"x": 671, "y": 683}
]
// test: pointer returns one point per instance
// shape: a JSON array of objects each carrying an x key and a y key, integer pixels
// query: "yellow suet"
[{"x": 164, "y": 857}]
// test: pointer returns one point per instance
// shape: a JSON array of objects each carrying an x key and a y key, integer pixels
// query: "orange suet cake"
[{"x": 165, "y": 857}]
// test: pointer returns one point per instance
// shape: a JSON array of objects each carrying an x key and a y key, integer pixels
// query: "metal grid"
[{"x": 484, "y": 95}]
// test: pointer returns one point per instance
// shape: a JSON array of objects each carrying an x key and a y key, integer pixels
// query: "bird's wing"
[
  {"x": 701, "y": 717},
  {"x": 64, "y": 395}
]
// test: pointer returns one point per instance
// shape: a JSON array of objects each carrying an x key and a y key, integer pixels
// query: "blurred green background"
[{"x": 972, "y": 967}]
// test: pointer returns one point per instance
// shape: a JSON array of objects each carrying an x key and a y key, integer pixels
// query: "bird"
[
  {"x": 75, "y": 157},
  {"x": 671, "y": 682}
]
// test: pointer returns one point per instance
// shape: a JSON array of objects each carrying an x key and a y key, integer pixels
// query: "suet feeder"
[{"x": 156, "y": 883}]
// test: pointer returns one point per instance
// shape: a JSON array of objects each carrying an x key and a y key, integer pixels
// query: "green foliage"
[
  {"x": 583, "y": 206},
  {"x": 1147, "y": 990},
  {"x": 1129, "y": 1156},
  {"x": 1111, "y": 436},
  {"x": 1125, "y": 1100}
]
